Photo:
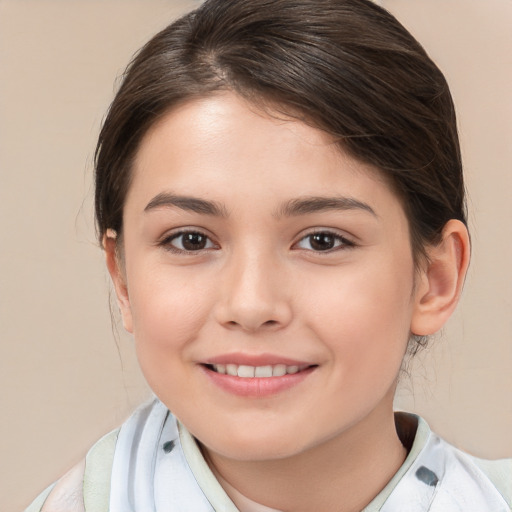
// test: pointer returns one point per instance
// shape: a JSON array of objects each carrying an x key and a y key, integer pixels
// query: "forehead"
[{"x": 223, "y": 144}]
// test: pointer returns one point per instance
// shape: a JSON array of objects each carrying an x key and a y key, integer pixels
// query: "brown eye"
[
  {"x": 194, "y": 241},
  {"x": 189, "y": 241},
  {"x": 323, "y": 241}
]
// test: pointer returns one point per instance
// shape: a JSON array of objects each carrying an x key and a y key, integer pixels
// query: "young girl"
[{"x": 279, "y": 196}]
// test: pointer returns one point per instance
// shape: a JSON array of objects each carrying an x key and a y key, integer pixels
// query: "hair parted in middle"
[{"x": 347, "y": 67}]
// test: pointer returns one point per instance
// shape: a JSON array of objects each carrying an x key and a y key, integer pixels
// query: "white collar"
[{"x": 158, "y": 467}]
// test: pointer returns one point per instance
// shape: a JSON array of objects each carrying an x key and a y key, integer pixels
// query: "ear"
[
  {"x": 440, "y": 284},
  {"x": 118, "y": 275}
]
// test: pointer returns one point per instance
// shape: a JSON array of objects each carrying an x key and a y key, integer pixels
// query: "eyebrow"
[
  {"x": 192, "y": 204},
  {"x": 306, "y": 205},
  {"x": 294, "y": 207}
]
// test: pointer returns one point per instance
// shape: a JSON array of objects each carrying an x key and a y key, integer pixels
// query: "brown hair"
[{"x": 345, "y": 66}]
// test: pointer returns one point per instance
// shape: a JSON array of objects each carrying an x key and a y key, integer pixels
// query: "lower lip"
[{"x": 258, "y": 387}]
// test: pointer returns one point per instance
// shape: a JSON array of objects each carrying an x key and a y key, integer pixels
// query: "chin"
[
  {"x": 249, "y": 445},
  {"x": 259, "y": 451}
]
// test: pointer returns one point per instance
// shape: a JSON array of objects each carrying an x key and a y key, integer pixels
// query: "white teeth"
[
  {"x": 232, "y": 369},
  {"x": 263, "y": 371},
  {"x": 246, "y": 371},
  {"x": 279, "y": 370},
  {"x": 220, "y": 368}
]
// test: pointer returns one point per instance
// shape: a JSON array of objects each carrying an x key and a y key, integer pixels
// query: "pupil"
[
  {"x": 322, "y": 242},
  {"x": 194, "y": 241}
]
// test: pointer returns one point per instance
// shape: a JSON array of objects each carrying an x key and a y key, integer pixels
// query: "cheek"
[
  {"x": 162, "y": 315},
  {"x": 365, "y": 319},
  {"x": 168, "y": 310}
]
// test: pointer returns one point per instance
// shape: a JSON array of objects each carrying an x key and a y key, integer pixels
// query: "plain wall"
[{"x": 64, "y": 378}]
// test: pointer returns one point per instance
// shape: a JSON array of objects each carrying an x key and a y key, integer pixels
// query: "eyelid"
[
  {"x": 347, "y": 241},
  {"x": 165, "y": 241}
]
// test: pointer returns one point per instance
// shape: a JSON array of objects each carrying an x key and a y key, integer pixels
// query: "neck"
[{"x": 346, "y": 472}]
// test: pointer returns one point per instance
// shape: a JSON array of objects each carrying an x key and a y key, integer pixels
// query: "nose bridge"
[{"x": 254, "y": 291}]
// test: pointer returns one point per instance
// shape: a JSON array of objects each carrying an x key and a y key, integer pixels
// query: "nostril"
[{"x": 247, "y": 326}]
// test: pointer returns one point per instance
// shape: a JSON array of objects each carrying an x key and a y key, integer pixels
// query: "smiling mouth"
[{"x": 249, "y": 372}]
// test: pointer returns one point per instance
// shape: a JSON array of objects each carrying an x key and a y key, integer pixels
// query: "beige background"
[{"x": 64, "y": 381}]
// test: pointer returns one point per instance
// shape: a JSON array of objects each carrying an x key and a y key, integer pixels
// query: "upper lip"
[{"x": 239, "y": 358}]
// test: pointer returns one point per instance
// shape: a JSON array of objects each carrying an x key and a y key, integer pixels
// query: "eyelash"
[
  {"x": 167, "y": 242},
  {"x": 339, "y": 241}
]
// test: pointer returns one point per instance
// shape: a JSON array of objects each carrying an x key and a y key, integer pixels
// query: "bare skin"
[
  {"x": 346, "y": 473},
  {"x": 257, "y": 242}
]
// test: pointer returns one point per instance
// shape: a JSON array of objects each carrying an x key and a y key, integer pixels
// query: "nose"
[{"x": 254, "y": 294}]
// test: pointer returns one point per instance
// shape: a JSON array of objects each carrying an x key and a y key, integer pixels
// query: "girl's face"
[{"x": 254, "y": 246}]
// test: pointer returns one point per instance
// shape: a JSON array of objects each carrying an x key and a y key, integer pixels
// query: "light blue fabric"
[
  {"x": 444, "y": 479},
  {"x": 150, "y": 471},
  {"x": 144, "y": 467}
]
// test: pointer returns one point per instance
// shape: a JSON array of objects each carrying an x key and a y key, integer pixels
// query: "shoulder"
[
  {"x": 476, "y": 484},
  {"x": 86, "y": 486},
  {"x": 499, "y": 472},
  {"x": 65, "y": 495},
  {"x": 439, "y": 477}
]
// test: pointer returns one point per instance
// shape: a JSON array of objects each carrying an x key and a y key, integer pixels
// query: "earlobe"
[
  {"x": 440, "y": 284},
  {"x": 117, "y": 274}
]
